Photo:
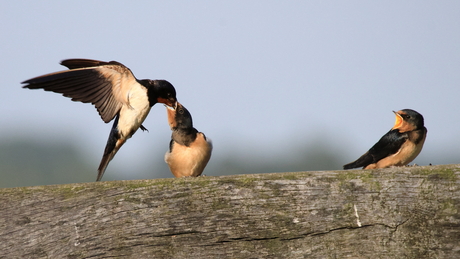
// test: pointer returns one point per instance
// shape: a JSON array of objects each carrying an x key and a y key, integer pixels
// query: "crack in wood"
[{"x": 313, "y": 234}]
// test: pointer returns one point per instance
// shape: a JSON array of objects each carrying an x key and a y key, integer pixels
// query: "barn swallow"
[
  {"x": 189, "y": 150},
  {"x": 112, "y": 88},
  {"x": 399, "y": 146}
]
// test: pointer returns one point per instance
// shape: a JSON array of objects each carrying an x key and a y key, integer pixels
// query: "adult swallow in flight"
[
  {"x": 189, "y": 150},
  {"x": 399, "y": 146},
  {"x": 115, "y": 93}
]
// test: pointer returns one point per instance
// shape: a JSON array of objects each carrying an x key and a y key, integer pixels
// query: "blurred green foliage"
[
  {"x": 24, "y": 162},
  {"x": 28, "y": 163}
]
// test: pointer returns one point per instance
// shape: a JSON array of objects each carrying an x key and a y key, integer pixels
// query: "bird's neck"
[
  {"x": 151, "y": 91},
  {"x": 184, "y": 136}
]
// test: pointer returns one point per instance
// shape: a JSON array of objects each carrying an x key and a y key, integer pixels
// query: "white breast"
[{"x": 134, "y": 114}]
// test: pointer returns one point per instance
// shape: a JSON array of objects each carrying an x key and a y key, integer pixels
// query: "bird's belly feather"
[
  {"x": 189, "y": 161},
  {"x": 133, "y": 114},
  {"x": 406, "y": 154}
]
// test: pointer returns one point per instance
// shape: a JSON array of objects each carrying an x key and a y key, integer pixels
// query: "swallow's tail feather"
[
  {"x": 114, "y": 143},
  {"x": 363, "y": 161},
  {"x": 109, "y": 153},
  {"x": 350, "y": 166}
]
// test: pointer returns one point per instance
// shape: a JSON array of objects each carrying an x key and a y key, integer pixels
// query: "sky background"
[{"x": 267, "y": 81}]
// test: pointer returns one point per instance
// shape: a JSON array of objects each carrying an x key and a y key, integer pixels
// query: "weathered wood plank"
[{"x": 410, "y": 212}]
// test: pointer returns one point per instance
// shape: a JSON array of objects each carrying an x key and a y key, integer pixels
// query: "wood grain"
[{"x": 408, "y": 212}]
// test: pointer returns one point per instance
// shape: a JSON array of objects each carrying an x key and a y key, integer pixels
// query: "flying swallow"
[
  {"x": 189, "y": 150},
  {"x": 112, "y": 88},
  {"x": 399, "y": 146}
]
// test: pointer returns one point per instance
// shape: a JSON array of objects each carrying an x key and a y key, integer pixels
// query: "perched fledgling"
[
  {"x": 189, "y": 150},
  {"x": 112, "y": 88},
  {"x": 400, "y": 146}
]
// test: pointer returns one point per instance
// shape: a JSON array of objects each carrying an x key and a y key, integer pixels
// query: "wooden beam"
[{"x": 406, "y": 212}]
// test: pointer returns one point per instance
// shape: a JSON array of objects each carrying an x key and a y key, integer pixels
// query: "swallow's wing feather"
[
  {"x": 104, "y": 84},
  {"x": 389, "y": 144},
  {"x": 82, "y": 63}
]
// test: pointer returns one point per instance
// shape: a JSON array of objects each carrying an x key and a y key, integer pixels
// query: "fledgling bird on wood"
[
  {"x": 112, "y": 88},
  {"x": 189, "y": 150},
  {"x": 398, "y": 147}
]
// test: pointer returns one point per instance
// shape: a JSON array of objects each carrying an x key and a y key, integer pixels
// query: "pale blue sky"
[{"x": 256, "y": 75}]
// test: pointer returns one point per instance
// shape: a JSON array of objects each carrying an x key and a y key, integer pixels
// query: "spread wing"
[
  {"x": 389, "y": 144},
  {"x": 104, "y": 84}
]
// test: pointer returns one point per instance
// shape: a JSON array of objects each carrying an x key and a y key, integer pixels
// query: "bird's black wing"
[
  {"x": 104, "y": 84},
  {"x": 389, "y": 144},
  {"x": 82, "y": 63}
]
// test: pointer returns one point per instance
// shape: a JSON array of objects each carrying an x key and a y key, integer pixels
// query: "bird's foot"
[{"x": 143, "y": 128}]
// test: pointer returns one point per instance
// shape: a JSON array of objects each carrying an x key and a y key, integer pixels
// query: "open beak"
[
  {"x": 170, "y": 103},
  {"x": 399, "y": 120},
  {"x": 170, "y": 107},
  {"x": 174, "y": 103}
]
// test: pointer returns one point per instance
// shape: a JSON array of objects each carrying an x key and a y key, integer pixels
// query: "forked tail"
[{"x": 114, "y": 143}]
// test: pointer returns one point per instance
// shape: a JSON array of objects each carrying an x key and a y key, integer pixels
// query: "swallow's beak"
[
  {"x": 170, "y": 107},
  {"x": 173, "y": 103},
  {"x": 399, "y": 120}
]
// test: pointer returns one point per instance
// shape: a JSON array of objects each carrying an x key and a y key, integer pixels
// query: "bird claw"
[{"x": 143, "y": 128}]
